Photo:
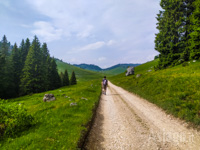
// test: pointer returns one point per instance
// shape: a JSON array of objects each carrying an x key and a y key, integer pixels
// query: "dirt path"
[{"x": 127, "y": 122}]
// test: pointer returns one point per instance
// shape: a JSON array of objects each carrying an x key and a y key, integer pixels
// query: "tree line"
[
  {"x": 29, "y": 68},
  {"x": 178, "y": 39}
]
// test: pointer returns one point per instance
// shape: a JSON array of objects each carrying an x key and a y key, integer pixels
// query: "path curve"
[{"x": 126, "y": 122}]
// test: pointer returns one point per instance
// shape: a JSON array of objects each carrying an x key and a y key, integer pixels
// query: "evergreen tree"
[
  {"x": 66, "y": 79},
  {"x": 61, "y": 78},
  {"x": 32, "y": 77},
  {"x": 6, "y": 76},
  {"x": 73, "y": 79},
  {"x": 44, "y": 65},
  {"x": 54, "y": 76},
  {"x": 188, "y": 10},
  {"x": 16, "y": 68},
  {"x": 195, "y": 35},
  {"x": 4, "y": 47},
  {"x": 174, "y": 28}
]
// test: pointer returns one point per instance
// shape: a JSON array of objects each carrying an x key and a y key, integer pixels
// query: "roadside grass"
[
  {"x": 57, "y": 124},
  {"x": 175, "y": 89}
]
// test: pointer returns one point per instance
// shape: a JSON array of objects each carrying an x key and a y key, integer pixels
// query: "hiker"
[{"x": 104, "y": 84}]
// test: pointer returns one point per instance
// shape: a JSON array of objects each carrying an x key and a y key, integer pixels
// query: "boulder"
[
  {"x": 138, "y": 75},
  {"x": 130, "y": 71},
  {"x": 49, "y": 97},
  {"x": 73, "y": 104}
]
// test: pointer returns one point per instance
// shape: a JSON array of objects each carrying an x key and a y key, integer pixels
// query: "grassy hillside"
[
  {"x": 81, "y": 74},
  {"x": 115, "y": 71},
  {"x": 175, "y": 89},
  {"x": 57, "y": 124}
]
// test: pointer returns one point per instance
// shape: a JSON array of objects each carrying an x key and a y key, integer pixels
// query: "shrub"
[
  {"x": 13, "y": 119},
  {"x": 185, "y": 64}
]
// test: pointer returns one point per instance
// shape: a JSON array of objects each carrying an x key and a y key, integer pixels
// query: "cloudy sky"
[{"x": 101, "y": 32}]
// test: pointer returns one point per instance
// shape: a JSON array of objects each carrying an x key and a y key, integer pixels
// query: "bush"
[{"x": 13, "y": 119}]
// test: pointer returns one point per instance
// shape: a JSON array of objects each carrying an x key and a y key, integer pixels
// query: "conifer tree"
[
  {"x": 66, "y": 79},
  {"x": 174, "y": 29},
  {"x": 32, "y": 78},
  {"x": 73, "y": 79},
  {"x": 16, "y": 67},
  {"x": 61, "y": 78},
  {"x": 6, "y": 76},
  {"x": 44, "y": 65},
  {"x": 4, "y": 47},
  {"x": 54, "y": 76},
  {"x": 195, "y": 35}
]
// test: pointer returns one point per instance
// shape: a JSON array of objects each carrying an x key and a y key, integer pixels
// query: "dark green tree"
[
  {"x": 73, "y": 79},
  {"x": 32, "y": 77},
  {"x": 195, "y": 35},
  {"x": 66, "y": 79},
  {"x": 174, "y": 29},
  {"x": 61, "y": 78},
  {"x": 4, "y": 47},
  {"x": 6, "y": 75},
  {"x": 55, "y": 81},
  {"x": 44, "y": 65},
  {"x": 16, "y": 67}
]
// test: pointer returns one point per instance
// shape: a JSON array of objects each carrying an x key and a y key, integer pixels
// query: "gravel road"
[{"x": 125, "y": 121}]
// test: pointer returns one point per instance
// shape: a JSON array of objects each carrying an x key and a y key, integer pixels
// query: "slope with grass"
[
  {"x": 81, "y": 74},
  {"x": 57, "y": 124},
  {"x": 114, "y": 70},
  {"x": 175, "y": 89}
]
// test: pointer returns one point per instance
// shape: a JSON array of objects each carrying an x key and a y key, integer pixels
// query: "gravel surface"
[{"x": 125, "y": 121}]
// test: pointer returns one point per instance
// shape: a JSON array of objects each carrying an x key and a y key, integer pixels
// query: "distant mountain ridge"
[
  {"x": 97, "y": 68},
  {"x": 89, "y": 67}
]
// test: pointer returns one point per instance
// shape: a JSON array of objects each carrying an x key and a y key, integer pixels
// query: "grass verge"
[{"x": 176, "y": 89}]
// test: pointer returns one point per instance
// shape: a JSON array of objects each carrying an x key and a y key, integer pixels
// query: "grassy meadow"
[
  {"x": 175, "y": 89},
  {"x": 57, "y": 125}
]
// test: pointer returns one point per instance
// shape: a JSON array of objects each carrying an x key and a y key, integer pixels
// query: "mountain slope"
[
  {"x": 89, "y": 67},
  {"x": 81, "y": 74},
  {"x": 114, "y": 70}
]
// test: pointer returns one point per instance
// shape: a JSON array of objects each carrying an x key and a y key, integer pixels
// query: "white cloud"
[
  {"x": 92, "y": 46},
  {"x": 101, "y": 58},
  {"x": 47, "y": 31},
  {"x": 25, "y": 26},
  {"x": 111, "y": 42},
  {"x": 124, "y": 30},
  {"x": 86, "y": 32}
]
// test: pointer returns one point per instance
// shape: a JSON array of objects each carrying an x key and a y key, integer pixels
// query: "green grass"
[
  {"x": 176, "y": 89},
  {"x": 81, "y": 74},
  {"x": 58, "y": 125},
  {"x": 114, "y": 71}
]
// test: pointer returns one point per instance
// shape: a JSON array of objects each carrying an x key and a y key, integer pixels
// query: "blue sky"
[{"x": 101, "y": 32}]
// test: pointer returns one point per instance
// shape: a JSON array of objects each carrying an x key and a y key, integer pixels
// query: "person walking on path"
[{"x": 104, "y": 84}]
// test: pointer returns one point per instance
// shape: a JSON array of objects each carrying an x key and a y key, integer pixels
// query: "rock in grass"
[
  {"x": 49, "y": 97},
  {"x": 73, "y": 104},
  {"x": 130, "y": 71},
  {"x": 84, "y": 98},
  {"x": 138, "y": 75}
]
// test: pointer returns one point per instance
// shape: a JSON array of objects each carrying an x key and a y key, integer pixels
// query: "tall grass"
[{"x": 176, "y": 89}]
